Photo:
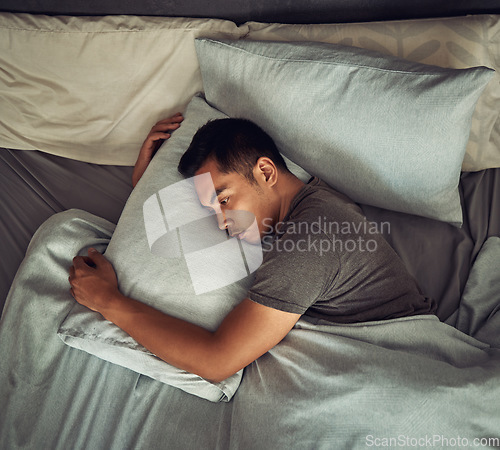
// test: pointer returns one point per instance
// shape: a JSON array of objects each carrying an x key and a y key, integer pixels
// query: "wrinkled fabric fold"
[{"x": 323, "y": 386}]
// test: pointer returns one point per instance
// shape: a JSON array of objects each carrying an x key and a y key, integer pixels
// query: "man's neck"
[{"x": 288, "y": 191}]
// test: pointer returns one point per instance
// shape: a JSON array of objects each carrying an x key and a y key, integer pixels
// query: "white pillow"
[{"x": 90, "y": 88}]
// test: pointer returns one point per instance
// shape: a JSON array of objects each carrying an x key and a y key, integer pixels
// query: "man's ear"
[{"x": 266, "y": 170}]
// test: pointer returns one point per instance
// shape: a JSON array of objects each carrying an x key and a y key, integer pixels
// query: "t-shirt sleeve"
[{"x": 297, "y": 270}]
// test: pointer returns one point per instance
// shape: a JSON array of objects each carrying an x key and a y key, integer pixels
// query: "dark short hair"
[{"x": 235, "y": 144}]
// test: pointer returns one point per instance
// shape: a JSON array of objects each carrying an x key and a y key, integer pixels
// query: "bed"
[{"x": 74, "y": 114}]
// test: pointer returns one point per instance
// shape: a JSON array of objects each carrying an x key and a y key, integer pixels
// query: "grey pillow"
[
  {"x": 385, "y": 131},
  {"x": 171, "y": 255}
]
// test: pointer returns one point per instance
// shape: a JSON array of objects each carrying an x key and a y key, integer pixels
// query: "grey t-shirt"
[{"x": 326, "y": 260}]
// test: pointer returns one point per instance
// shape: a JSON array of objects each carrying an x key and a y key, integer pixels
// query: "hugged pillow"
[
  {"x": 385, "y": 131},
  {"x": 89, "y": 88},
  {"x": 199, "y": 280}
]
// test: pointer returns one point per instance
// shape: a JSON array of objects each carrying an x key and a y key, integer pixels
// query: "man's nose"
[{"x": 221, "y": 220}]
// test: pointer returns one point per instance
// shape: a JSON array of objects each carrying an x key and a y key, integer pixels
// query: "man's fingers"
[
  {"x": 88, "y": 261},
  {"x": 78, "y": 263},
  {"x": 165, "y": 127},
  {"x": 158, "y": 136},
  {"x": 71, "y": 276},
  {"x": 97, "y": 258},
  {"x": 170, "y": 121},
  {"x": 82, "y": 262},
  {"x": 177, "y": 117}
]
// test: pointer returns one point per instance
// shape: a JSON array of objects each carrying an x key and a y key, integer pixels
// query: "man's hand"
[
  {"x": 158, "y": 134},
  {"x": 93, "y": 281},
  {"x": 246, "y": 333}
]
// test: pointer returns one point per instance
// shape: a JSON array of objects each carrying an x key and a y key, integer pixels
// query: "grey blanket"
[{"x": 411, "y": 382}]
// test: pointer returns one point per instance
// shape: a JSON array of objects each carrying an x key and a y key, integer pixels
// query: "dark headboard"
[{"x": 283, "y": 11}]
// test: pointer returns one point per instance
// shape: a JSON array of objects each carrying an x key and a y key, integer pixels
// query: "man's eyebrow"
[{"x": 217, "y": 193}]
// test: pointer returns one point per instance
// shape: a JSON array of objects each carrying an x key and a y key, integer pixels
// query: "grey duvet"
[{"x": 413, "y": 380}]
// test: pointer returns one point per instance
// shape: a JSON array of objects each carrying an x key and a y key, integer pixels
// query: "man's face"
[{"x": 241, "y": 207}]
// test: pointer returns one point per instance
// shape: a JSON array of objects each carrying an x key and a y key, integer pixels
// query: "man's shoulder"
[{"x": 318, "y": 198}]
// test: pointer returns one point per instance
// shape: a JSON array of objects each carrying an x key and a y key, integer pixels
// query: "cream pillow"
[
  {"x": 90, "y": 88},
  {"x": 450, "y": 42}
]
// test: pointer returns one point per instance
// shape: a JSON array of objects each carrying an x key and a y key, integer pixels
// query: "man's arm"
[
  {"x": 158, "y": 134},
  {"x": 248, "y": 331}
]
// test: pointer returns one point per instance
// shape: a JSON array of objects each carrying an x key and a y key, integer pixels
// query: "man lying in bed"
[{"x": 357, "y": 278}]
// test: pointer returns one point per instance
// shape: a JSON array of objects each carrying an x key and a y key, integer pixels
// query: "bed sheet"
[
  {"x": 438, "y": 255},
  {"x": 323, "y": 386},
  {"x": 36, "y": 185}
]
